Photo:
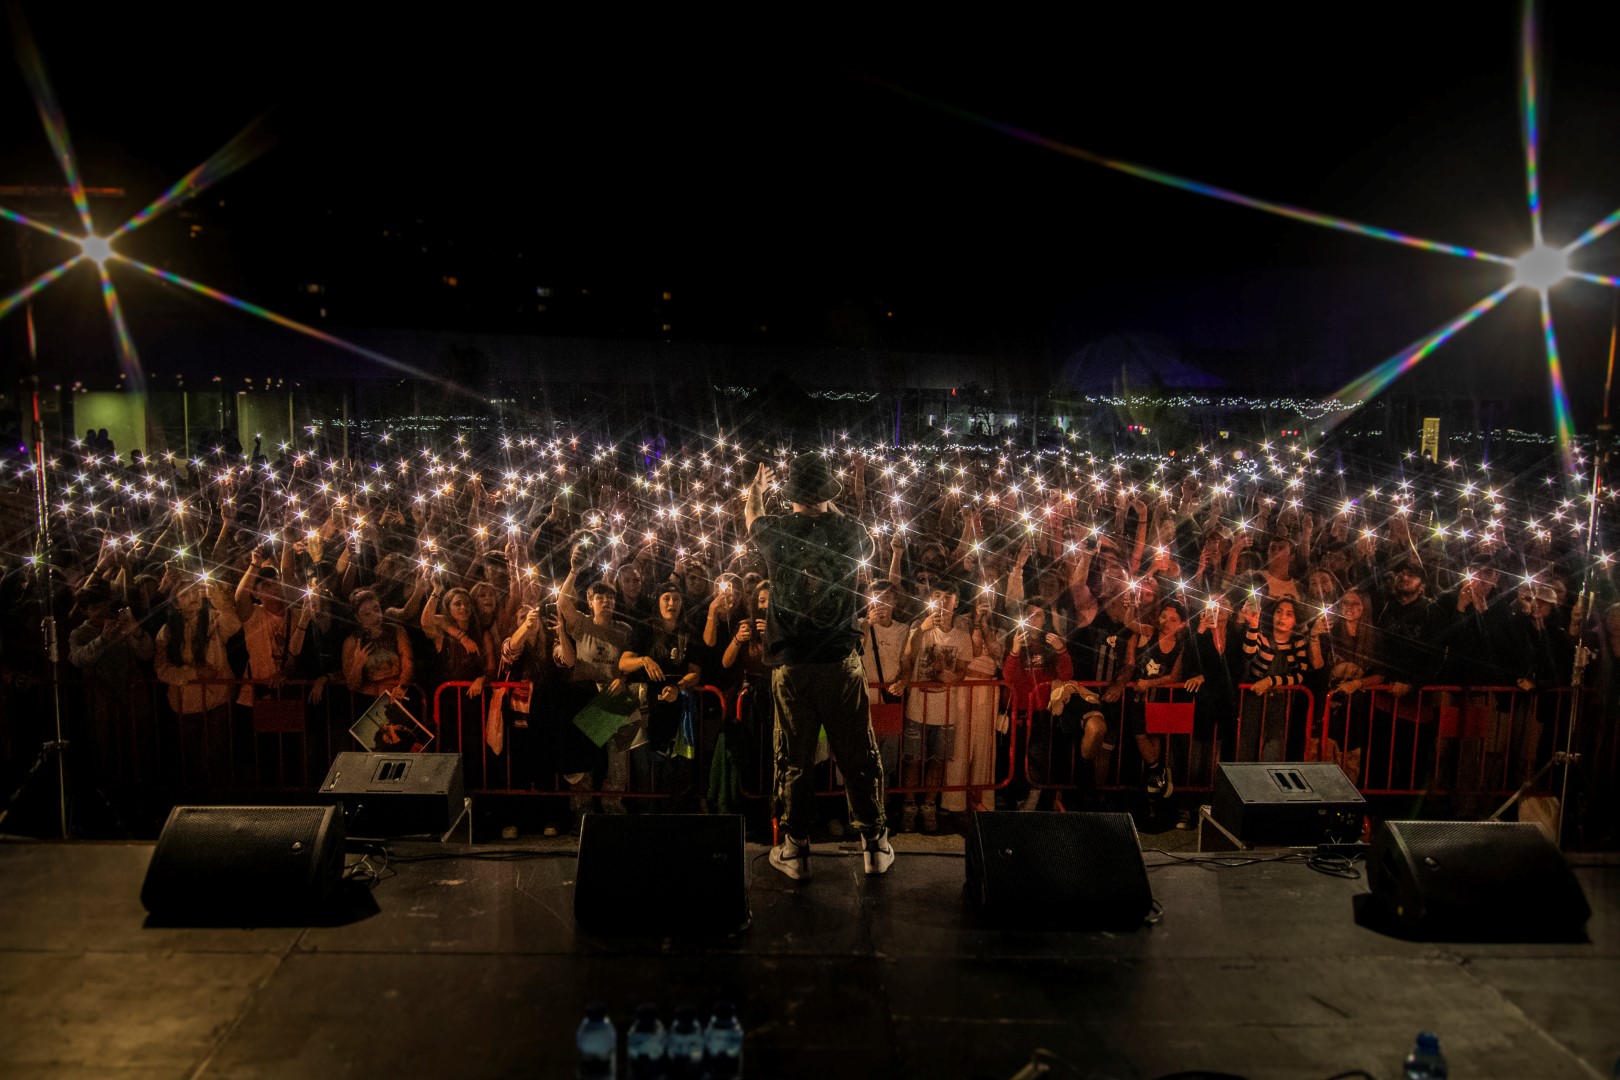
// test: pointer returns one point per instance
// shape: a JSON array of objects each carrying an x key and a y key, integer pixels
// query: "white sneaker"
[
  {"x": 792, "y": 857},
  {"x": 877, "y": 853}
]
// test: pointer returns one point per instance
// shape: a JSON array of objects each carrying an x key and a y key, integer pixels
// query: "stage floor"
[{"x": 473, "y": 968}]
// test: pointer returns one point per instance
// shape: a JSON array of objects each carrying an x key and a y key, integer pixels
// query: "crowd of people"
[{"x": 1022, "y": 612}]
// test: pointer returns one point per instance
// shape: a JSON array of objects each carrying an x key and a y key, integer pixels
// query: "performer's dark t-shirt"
[{"x": 814, "y": 563}]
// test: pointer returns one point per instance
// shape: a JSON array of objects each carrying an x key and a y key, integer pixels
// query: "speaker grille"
[
  {"x": 1067, "y": 869},
  {"x": 214, "y": 858},
  {"x": 1484, "y": 879}
]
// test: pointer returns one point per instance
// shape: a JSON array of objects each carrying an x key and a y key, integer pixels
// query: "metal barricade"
[
  {"x": 241, "y": 736},
  {"x": 952, "y": 740},
  {"x": 1190, "y": 759},
  {"x": 1273, "y": 726},
  {"x": 1472, "y": 741},
  {"x": 1486, "y": 738},
  {"x": 529, "y": 761},
  {"x": 1046, "y": 748},
  {"x": 948, "y": 741}
]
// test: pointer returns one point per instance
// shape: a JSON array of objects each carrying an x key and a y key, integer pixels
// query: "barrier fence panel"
[
  {"x": 1485, "y": 738},
  {"x": 1372, "y": 735},
  {"x": 207, "y": 738},
  {"x": 1163, "y": 714},
  {"x": 217, "y": 738},
  {"x": 1047, "y": 748},
  {"x": 941, "y": 737},
  {"x": 514, "y": 739},
  {"x": 948, "y": 741},
  {"x": 1273, "y": 726}
]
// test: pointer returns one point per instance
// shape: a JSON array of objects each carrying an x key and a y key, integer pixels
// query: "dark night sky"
[{"x": 741, "y": 165}]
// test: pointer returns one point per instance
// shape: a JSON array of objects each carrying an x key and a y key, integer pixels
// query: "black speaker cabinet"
[
  {"x": 1287, "y": 803},
  {"x": 1076, "y": 871},
  {"x": 661, "y": 875},
  {"x": 217, "y": 862},
  {"x": 386, "y": 795},
  {"x": 1475, "y": 881}
]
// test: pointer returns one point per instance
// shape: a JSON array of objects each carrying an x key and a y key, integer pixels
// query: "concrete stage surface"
[{"x": 473, "y": 968}]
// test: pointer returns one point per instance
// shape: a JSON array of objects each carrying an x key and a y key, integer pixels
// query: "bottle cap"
[
  {"x": 596, "y": 1010},
  {"x": 1428, "y": 1040},
  {"x": 646, "y": 1014},
  {"x": 724, "y": 1010},
  {"x": 686, "y": 1012}
]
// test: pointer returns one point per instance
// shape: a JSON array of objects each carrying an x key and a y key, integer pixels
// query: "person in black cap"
[{"x": 813, "y": 555}]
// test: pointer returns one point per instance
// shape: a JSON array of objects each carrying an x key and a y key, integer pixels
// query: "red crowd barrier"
[
  {"x": 282, "y": 735},
  {"x": 970, "y": 710},
  {"x": 1271, "y": 725},
  {"x": 233, "y": 735},
  {"x": 527, "y": 762}
]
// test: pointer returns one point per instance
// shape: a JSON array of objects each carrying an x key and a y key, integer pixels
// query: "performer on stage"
[{"x": 814, "y": 555}]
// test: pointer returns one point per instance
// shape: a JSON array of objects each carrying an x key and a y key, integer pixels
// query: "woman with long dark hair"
[
  {"x": 1277, "y": 658},
  {"x": 1355, "y": 663},
  {"x": 467, "y": 653},
  {"x": 377, "y": 656}
]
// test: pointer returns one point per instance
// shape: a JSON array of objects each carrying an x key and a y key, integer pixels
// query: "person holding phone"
[{"x": 937, "y": 653}]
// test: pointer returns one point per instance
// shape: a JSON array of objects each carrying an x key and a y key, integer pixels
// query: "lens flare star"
[
  {"x": 1540, "y": 269},
  {"x": 98, "y": 249}
]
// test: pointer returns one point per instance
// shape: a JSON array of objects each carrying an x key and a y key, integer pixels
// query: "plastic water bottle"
[
  {"x": 1426, "y": 1062},
  {"x": 723, "y": 1043},
  {"x": 598, "y": 1042},
  {"x": 685, "y": 1045},
  {"x": 644, "y": 1046}
]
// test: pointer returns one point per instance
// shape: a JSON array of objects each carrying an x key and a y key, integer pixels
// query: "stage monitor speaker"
[
  {"x": 385, "y": 795},
  {"x": 1476, "y": 881},
  {"x": 1073, "y": 871},
  {"x": 1287, "y": 803},
  {"x": 220, "y": 862},
  {"x": 661, "y": 875}
]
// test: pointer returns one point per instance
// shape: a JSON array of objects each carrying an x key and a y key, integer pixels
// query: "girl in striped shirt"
[{"x": 1277, "y": 657}]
